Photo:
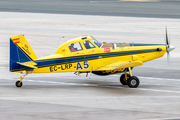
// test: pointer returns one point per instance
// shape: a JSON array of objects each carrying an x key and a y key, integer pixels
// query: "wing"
[
  {"x": 120, "y": 64},
  {"x": 28, "y": 64}
]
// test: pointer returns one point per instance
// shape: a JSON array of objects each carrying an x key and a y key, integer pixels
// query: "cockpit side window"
[
  {"x": 99, "y": 44},
  {"x": 88, "y": 44},
  {"x": 75, "y": 47}
]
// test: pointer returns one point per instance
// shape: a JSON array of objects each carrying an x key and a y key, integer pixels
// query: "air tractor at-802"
[{"x": 86, "y": 55}]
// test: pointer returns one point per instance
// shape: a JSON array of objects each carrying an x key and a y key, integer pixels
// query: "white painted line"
[
  {"x": 108, "y": 86},
  {"x": 3, "y": 67},
  {"x": 4, "y": 61},
  {"x": 178, "y": 80},
  {"x": 154, "y": 90},
  {"x": 160, "y": 78},
  {"x": 167, "y": 91},
  {"x": 175, "y": 85},
  {"x": 8, "y": 78},
  {"x": 154, "y": 78},
  {"x": 62, "y": 83}
]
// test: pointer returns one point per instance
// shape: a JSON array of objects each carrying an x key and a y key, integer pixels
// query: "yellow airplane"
[{"x": 85, "y": 55}]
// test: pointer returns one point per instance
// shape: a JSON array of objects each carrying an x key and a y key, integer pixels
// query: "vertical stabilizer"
[{"x": 20, "y": 51}]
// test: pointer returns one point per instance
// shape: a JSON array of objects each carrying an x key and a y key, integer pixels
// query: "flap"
[
  {"x": 120, "y": 64},
  {"x": 28, "y": 64}
]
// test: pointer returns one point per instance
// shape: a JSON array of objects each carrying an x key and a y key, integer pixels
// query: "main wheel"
[
  {"x": 18, "y": 85},
  {"x": 123, "y": 79},
  {"x": 133, "y": 82}
]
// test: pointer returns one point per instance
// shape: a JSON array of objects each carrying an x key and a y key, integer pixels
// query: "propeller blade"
[
  {"x": 168, "y": 48},
  {"x": 168, "y": 57},
  {"x": 167, "y": 41}
]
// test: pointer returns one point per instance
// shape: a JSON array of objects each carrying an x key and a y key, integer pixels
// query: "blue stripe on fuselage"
[
  {"x": 143, "y": 44},
  {"x": 49, "y": 62}
]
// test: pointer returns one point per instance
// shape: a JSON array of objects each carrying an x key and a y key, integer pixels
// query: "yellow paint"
[
  {"x": 28, "y": 64},
  {"x": 143, "y": 56},
  {"x": 108, "y": 65},
  {"x": 130, "y": 72},
  {"x": 125, "y": 75},
  {"x": 120, "y": 64},
  {"x": 134, "y": 57}
]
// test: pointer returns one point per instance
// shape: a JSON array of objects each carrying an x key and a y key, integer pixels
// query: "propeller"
[{"x": 168, "y": 47}]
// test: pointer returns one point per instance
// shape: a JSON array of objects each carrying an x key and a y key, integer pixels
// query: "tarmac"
[
  {"x": 131, "y": 8},
  {"x": 66, "y": 96}
]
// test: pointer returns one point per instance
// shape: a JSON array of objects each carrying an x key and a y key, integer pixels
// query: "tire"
[
  {"x": 123, "y": 80},
  {"x": 18, "y": 85},
  {"x": 133, "y": 82}
]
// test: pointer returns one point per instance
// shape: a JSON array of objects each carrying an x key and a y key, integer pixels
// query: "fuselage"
[
  {"x": 94, "y": 58},
  {"x": 87, "y": 55}
]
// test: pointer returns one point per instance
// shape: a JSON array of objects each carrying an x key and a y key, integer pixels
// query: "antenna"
[{"x": 59, "y": 40}]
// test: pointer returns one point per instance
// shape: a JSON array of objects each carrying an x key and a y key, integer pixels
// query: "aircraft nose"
[{"x": 171, "y": 48}]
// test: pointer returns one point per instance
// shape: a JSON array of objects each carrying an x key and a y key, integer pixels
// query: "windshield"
[{"x": 99, "y": 44}]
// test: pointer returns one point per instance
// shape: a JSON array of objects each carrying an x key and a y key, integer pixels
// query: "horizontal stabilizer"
[
  {"x": 28, "y": 64},
  {"x": 120, "y": 64}
]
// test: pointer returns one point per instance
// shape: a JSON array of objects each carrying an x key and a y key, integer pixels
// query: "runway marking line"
[
  {"x": 178, "y": 80},
  {"x": 107, "y": 86},
  {"x": 168, "y": 79},
  {"x": 160, "y": 78}
]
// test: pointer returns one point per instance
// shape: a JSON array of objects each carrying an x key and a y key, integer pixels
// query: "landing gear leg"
[
  {"x": 19, "y": 83},
  {"x": 124, "y": 77},
  {"x": 133, "y": 81},
  {"x": 130, "y": 72}
]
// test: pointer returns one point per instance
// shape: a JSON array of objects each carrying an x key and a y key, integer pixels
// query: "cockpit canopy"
[
  {"x": 79, "y": 44},
  {"x": 84, "y": 43}
]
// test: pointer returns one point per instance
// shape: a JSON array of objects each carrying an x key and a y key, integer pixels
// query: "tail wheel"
[
  {"x": 133, "y": 82},
  {"x": 18, "y": 84},
  {"x": 123, "y": 79}
]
